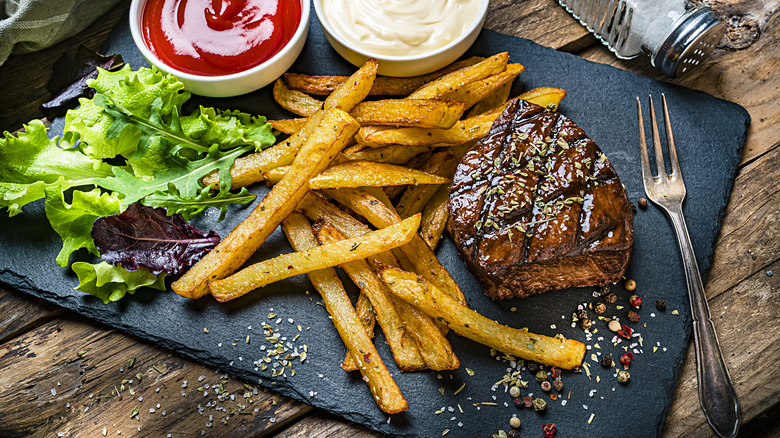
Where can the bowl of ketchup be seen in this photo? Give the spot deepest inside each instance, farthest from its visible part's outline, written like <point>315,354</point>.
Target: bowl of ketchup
<point>220,48</point>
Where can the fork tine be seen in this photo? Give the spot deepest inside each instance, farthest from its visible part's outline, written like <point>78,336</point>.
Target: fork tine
<point>647,174</point>
<point>659,153</point>
<point>670,140</point>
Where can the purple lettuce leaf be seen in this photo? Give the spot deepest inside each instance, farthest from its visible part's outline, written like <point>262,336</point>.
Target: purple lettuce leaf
<point>145,237</point>
<point>69,79</point>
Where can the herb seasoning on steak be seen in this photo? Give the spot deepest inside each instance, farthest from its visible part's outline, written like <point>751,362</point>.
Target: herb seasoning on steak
<point>536,206</point>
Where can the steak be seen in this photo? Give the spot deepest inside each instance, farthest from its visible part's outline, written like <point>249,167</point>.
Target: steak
<point>536,206</point>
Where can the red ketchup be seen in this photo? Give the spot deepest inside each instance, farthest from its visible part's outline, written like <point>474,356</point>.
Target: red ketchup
<point>218,37</point>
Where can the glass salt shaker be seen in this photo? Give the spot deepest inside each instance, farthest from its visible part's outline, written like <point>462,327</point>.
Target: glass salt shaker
<point>675,34</point>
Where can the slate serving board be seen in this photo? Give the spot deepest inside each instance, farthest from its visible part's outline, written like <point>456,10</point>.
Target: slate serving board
<point>709,133</point>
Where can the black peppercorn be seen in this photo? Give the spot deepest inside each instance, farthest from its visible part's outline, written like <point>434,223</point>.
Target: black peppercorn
<point>582,313</point>
<point>533,366</point>
<point>606,361</point>
<point>642,203</point>
<point>604,290</point>
<point>610,298</point>
<point>599,308</point>
<point>633,316</point>
<point>518,402</point>
<point>513,433</point>
<point>586,324</point>
<point>661,304</point>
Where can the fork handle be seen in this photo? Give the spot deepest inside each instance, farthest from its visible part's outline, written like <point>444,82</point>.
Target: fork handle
<point>716,392</point>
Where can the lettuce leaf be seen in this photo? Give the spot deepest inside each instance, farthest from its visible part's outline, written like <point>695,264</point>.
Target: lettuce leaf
<point>30,162</point>
<point>111,283</point>
<point>73,222</point>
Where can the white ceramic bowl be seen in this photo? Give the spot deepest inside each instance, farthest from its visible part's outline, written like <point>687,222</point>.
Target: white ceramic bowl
<point>232,84</point>
<point>403,66</point>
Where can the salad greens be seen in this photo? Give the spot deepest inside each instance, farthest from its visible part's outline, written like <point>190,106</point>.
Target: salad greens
<point>129,143</point>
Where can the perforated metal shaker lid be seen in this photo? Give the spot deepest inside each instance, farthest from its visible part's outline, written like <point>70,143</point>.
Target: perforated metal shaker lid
<point>689,43</point>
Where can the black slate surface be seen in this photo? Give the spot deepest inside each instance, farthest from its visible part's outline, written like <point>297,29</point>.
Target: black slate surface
<point>709,133</point>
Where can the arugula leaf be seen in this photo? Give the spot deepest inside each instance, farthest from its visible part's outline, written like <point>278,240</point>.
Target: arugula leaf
<point>30,162</point>
<point>183,174</point>
<point>189,207</point>
<point>73,222</point>
<point>111,283</point>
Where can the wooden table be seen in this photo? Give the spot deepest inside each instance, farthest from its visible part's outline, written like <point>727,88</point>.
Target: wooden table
<point>60,373</point>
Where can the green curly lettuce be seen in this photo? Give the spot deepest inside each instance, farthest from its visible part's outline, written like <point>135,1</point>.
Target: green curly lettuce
<point>158,158</point>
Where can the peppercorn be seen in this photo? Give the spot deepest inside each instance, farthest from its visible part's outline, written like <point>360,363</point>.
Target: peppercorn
<point>661,304</point>
<point>546,386</point>
<point>606,361</point>
<point>558,385</point>
<point>515,422</point>
<point>642,203</point>
<point>519,403</point>
<point>625,331</point>
<point>630,285</point>
<point>586,324</point>
<point>614,325</point>
<point>633,316</point>
<point>548,430</point>
<point>599,308</point>
<point>533,366</point>
<point>635,301</point>
<point>539,404</point>
<point>541,376</point>
<point>610,298</point>
<point>582,314</point>
<point>604,290</point>
<point>514,392</point>
<point>528,402</point>
<point>513,433</point>
<point>623,376</point>
<point>626,359</point>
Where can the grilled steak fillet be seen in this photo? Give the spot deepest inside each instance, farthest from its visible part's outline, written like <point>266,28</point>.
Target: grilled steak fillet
<point>536,206</point>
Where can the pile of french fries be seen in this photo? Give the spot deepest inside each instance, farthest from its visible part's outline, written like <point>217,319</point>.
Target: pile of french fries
<point>387,162</point>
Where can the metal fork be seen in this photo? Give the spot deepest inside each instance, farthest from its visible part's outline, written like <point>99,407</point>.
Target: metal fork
<point>667,190</point>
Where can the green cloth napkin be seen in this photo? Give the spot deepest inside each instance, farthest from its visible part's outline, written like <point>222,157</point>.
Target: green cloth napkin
<point>31,25</point>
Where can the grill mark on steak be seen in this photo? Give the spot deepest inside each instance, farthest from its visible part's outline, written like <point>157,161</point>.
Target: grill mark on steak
<point>535,205</point>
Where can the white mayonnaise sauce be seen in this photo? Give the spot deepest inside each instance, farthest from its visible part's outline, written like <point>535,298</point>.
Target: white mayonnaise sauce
<point>400,27</point>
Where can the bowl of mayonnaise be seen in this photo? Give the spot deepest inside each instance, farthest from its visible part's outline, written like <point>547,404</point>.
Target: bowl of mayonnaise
<point>407,37</point>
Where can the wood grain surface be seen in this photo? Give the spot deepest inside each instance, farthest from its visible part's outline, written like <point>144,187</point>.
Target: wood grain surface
<point>62,374</point>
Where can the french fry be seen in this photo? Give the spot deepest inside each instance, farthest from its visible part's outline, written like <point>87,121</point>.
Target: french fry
<point>417,251</point>
<point>496,98</point>
<point>414,198</point>
<point>381,384</point>
<point>476,91</point>
<point>273,176</point>
<point>424,113</point>
<point>353,91</point>
<point>250,169</point>
<point>236,248</point>
<point>387,154</point>
<point>382,86</point>
<point>402,345</point>
<point>325,256</point>
<point>371,174</point>
<point>464,131</point>
<point>288,126</point>
<point>295,101</point>
<point>548,97</point>
<point>436,88</point>
<point>435,216</point>
<point>365,313</point>
<point>562,353</point>
<point>434,347</point>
